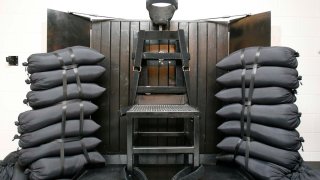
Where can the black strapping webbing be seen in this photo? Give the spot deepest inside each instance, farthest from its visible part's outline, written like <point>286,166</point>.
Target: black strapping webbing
<point>243,91</point>
<point>243,95</point>
<point>64,114</point>
<point>85,152</point>
<point>76,72</point>
<point>248,104</point>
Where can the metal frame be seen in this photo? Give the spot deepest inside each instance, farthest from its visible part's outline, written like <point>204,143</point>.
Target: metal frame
<point>162,111</point>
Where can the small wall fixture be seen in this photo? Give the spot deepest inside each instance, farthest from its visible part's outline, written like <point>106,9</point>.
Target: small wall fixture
<point>12,60</point>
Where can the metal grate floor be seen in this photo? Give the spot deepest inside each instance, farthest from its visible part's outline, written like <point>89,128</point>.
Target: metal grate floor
<point>162,108</point>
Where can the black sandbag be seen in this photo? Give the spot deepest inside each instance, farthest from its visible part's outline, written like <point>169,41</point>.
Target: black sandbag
<point>260,170</point>
<point>50,168</point>
<point>266,76</point>
<point>32,120</point>
<point>269,171</point>
<point>53,132</point>
<point>7,165</point>
<point>280,138</point>
<point>18,173</point>
<point>51,149</point>
<point>40,99</point>
<point>48,61</point>
<point>287,159</point>
<point>269,56</point>
<point>51,79</point>
<point>267,95</point>
<point>284,116</point>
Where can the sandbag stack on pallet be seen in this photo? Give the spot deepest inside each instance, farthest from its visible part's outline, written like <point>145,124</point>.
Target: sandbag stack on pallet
<point>56,135</point>
<point>260,113</point>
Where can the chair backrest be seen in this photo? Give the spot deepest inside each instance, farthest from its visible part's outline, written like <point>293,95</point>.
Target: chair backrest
<point>162,68</point>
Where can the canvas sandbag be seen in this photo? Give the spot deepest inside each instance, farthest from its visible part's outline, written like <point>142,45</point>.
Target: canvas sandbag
<point>51,79</point>
<point>50,168</point>
<point>51,149</point>
<point>284,116</point>
<point>287,159</point>
<point>280,138</point>
<point>269,56</point>
<point>40,99</point>
<point>7,165</point>
<point>18,173</point>
<point>266,76</point>
<point>48,61</point>
<point>267,95</point>
<point>53,132</point>
<point>32,120</point>
<point>262,170</point>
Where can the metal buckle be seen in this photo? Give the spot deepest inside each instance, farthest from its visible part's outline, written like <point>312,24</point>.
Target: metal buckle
<point>185,68</point>
<point>136,68</point>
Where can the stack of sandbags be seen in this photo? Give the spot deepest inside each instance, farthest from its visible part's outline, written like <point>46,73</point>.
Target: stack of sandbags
<point>56,135</point>
<point>260,114</point>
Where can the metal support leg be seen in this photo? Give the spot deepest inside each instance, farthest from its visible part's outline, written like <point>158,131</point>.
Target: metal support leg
<point>186,122</point>
<point>196,158</point>
<point>129,144</point>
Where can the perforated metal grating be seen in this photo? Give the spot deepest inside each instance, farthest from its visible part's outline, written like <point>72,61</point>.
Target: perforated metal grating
<point>162,108</point>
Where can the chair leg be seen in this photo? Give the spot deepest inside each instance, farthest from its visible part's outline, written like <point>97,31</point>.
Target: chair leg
<point>196,135</point>
<point>129,144</point>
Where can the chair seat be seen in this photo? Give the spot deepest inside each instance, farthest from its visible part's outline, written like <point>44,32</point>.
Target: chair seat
<point>162,111</point>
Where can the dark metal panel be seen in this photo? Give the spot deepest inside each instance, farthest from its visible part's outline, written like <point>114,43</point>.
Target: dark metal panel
<point>253,30</point>
<point>222,51</point>
<point>210,128</point>
<point>124,79</point>
<point>65,30</point>
<point>96,36</point>
<point>104,106</point>
<point>202,79</point>
<point>193,50</point>
<point>99,114</point>
<point>134,28</point>
<point>114,87</point>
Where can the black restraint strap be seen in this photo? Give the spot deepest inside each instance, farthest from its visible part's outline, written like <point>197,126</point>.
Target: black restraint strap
<point>243,93</point>
<point>64,114</point>
<point>248,104</point>
<point>76,72</point>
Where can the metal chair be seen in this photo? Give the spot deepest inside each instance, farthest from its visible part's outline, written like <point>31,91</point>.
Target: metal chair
<point>151,102</point>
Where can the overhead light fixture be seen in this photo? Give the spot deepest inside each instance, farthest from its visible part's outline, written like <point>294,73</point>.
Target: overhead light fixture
<point>161,11</point>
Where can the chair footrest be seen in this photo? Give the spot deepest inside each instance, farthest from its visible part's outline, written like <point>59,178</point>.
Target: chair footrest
<point>163,150</point>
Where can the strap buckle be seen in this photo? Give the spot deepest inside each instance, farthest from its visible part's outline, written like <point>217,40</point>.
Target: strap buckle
<point>138,69</point>
<point>185,68</point>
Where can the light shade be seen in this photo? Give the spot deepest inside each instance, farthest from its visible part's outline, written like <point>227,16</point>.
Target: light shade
<point>161,11</point>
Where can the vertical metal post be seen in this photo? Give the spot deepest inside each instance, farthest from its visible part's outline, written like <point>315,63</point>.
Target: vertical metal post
<point>186,122</point>
<point>129,144</point>
<point>196,158</point>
